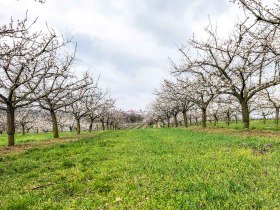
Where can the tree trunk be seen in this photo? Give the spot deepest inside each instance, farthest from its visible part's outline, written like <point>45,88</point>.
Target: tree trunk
<point>216,120</point>
<point>157,124</point>
<point>168,122</point>
<point>54,125</point>
<point>11,125</point>
<point>78,125</point>
<point>228,118</point>
<point>90,125</point>
<point>107,125</point>
<point>23,129</point>
<point>204,118</point>
<point>190,120</point>
<point>277,116</point>
<point>103,126</point>
<point>185,118</point>
<point>245,114</point>
<point>175,120</point>
<point>264,119</point>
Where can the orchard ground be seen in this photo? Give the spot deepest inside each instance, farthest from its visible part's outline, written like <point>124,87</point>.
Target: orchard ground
<point>168,168</point>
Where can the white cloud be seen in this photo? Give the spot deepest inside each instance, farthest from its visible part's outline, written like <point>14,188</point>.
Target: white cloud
<point>127,41</point>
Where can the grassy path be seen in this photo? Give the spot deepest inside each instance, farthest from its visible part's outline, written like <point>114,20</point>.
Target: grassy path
<point>145,169</point>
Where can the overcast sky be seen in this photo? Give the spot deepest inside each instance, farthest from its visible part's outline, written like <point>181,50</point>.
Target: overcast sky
<point>128,42</point>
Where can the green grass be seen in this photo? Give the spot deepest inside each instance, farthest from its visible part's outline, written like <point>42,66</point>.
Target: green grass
<point>144,169</point>
<point>19,138</point>
<point>254,125</point>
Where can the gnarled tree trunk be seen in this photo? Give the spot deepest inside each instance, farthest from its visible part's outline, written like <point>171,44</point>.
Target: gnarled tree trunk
<point>107,125</point>
<point>90,125</point>
<point>23,128</point>
<point>78,125</point>
<point>175,120</point>
<point>228,118</point>
<point>185,118</point>
<point>204,117</point>
<point>276,116</point>
<point>54,124</point>
<point>264,119</point>
<point>216,120</point>
<point>11,125</point>
<point>103,125</point>
<point>245,114</point>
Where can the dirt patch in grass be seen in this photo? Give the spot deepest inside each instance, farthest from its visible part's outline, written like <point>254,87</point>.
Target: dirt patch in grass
<point>234,132</point>
<point>25,146</point>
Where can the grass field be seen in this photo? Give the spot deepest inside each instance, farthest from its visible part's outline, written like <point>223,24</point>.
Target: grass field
<point>145,169</point>
<point>29,137</point>
<point>254,125</point>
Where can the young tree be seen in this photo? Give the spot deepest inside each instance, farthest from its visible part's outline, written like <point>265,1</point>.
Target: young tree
<point>215,111</point>
<point>105,112</point>
<point>156,112</point>
<point>58,91</point>
<point>117,119</point>
<point>42,121</point>
<point>25,119</point>
<point>201,94</point>
<point>96,105</point>
<point>80,108</point>
<point>179,94</point>
<point>227,107</point>
<point>2,122</point>
<point>173,96</point>
<point>162,110</point>
<point>272,100</point>
<point>240,66</point>
<point>23,66</point>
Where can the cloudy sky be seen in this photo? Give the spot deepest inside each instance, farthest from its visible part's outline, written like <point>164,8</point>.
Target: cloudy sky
<point>128,42</point>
